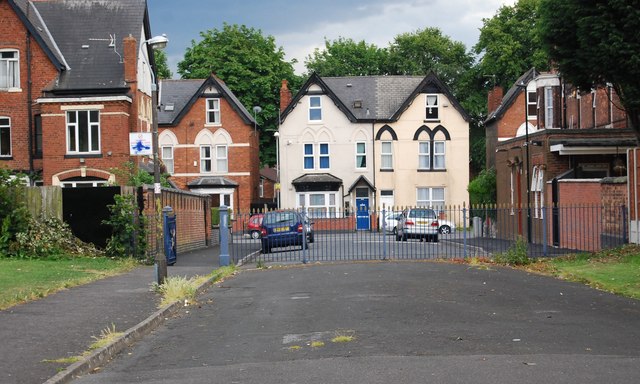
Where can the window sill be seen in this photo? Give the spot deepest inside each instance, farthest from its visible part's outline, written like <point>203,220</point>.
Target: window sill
<point>432,170</point>
<point>314,122</point>
<point>431,120</point>
<point>11,90</point>
<point>387,170</point>
<point>208,125</point>
<point>6,158</point>
<point>83,155</point>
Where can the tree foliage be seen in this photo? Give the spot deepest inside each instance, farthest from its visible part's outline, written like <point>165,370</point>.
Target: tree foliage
<point>251,66</point>
<point>509,43</point>
<point>345,57</point>
<point>161,64</point>
<point>14,216</point>
<point>596,42</point>
<point>426,50</point>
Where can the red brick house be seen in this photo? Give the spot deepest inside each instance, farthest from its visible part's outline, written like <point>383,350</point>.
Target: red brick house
<point>575,154</point>
<point>209,142</point>
<point>70,96</point>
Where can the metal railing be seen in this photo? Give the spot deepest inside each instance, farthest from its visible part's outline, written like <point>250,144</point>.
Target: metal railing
<point>463,232</point>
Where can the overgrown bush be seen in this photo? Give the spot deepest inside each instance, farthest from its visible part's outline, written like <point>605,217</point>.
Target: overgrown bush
<point>517,254</point>
<point>128,237</point>
<point>482,189</point>
<point>14,216</point>
<point>50,238</point>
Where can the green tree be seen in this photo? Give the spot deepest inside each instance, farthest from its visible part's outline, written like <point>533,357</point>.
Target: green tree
<point>596,42</point>
<point>161,64</point>
<point>509,43</point>
<point>14,216</point>
<point>251,66</point>
<point>345,57</point>
<point>426,50</point>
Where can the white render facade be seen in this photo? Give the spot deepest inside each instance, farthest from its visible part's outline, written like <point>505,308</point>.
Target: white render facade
<point>354,143</point>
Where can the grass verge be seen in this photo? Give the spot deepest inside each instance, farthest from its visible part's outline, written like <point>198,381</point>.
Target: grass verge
<point>614,270</point>
<point>23,280</point>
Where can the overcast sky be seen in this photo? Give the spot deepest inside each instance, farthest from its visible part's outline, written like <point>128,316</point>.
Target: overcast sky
<point>299,26</point>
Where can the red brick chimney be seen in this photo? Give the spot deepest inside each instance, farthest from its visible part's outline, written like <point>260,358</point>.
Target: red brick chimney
<point>285,95</point>
<point>494,98</point>
<point>131,79</point>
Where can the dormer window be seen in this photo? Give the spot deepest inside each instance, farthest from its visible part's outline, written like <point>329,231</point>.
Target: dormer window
<point>432,107</point>
<point>213,111</point>
<point>9,70</point>
<point>315,108</point>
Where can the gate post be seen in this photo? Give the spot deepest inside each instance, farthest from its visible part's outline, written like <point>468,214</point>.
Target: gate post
<point>224,236</point>
<point>464,232</point>
<point>384,233</point>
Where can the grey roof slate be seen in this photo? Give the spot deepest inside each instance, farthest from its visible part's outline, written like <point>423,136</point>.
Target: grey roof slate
<point>181,94</point>
<point>316,178</point>
<point>74,24</point>
<point>380,98</point>
<point>212,181</point>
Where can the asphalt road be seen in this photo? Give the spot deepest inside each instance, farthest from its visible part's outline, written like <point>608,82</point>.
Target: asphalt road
<point>411,322</point>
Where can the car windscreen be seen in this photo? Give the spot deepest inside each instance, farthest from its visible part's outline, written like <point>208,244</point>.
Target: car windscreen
<point>279,218</point>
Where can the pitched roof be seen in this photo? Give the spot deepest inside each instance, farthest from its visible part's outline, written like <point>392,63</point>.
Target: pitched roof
<point>84,38</point>
<point>512,94</point>
<point>375,98</point>
<point>178,96</point>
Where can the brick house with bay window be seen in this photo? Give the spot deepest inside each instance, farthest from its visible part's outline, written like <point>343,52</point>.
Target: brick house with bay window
<point>74,83</point>
<point>209,141</point>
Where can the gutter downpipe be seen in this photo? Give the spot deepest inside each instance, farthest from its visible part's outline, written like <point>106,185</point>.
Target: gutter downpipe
<point>29,101</point>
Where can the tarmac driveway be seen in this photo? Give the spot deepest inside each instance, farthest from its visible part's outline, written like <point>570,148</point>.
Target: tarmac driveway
<point>412,322</point>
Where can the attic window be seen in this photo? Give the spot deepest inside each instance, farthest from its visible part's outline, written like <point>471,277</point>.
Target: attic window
<point>169,107</point>
<point>357,104</point>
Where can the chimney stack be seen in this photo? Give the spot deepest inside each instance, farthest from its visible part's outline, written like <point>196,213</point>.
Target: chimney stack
<point>285,95</point>
<point>494,99</point>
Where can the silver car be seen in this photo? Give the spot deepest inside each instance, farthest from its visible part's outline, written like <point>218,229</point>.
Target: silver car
<point>418,223</point>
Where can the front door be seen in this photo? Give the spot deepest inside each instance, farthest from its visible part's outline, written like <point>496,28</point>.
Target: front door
<point>362,213</point>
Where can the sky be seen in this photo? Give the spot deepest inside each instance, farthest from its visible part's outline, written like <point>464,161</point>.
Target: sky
<point>300,26</point>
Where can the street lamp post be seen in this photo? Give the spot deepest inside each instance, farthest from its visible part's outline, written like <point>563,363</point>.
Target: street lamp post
<point>277,191</point>
<point>158,42</point>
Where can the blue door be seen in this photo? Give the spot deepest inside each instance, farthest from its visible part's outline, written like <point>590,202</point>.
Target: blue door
<point>362,213</point>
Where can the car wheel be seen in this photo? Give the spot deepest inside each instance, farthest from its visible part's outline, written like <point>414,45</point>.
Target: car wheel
<point>255,235</point>
<point>445,229</point>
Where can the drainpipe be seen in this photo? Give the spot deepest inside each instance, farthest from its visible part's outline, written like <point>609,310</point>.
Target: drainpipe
<point>373,164</point>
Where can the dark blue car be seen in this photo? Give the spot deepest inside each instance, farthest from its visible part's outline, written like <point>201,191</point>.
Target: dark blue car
<point>282,229</point>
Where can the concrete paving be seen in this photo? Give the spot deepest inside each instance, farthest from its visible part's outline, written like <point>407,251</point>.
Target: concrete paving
<point>411,322</point>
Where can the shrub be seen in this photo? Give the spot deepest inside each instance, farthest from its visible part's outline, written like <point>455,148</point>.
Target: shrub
<point>517,254</point>
<point>14,216</point>
<point>49,238</point>
<point>128,229</point>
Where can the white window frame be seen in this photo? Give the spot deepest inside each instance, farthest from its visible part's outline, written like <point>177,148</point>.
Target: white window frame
<point>323,156</point>
<point>222,159</point>
<point>328,209</point>
<point>386,155</point>
<point>5,127</point>
<point>261,188</point>
<point>537,188</point>
<point>213,109</point>
<point>168,160</point>
<point>422,155</point>
<point>439,155</point>
<point>10,66</point>
<point>313,107</point>
<point>531,103</point>
<point>429,200</point>
<point>206,160</point>
<point>361,156</point>
<point>73,143</point>
<point>512,194</point>
<point>548,107</point>
<point>306,156</point>
<point>429,107</point>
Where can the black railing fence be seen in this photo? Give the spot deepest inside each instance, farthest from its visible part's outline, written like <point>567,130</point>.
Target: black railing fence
<point>462,232</point>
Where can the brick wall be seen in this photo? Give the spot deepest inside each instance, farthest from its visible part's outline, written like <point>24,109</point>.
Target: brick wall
<point>241,159</point>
